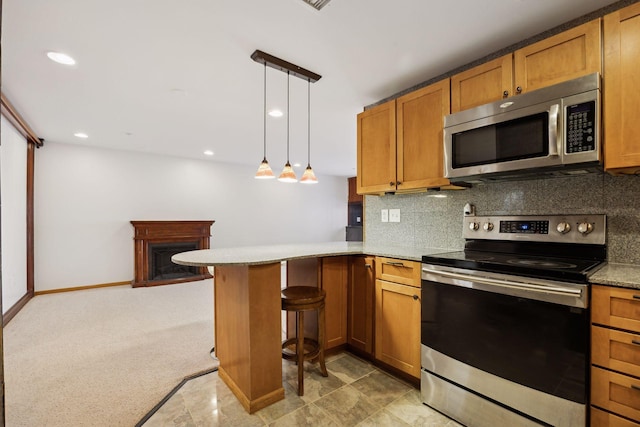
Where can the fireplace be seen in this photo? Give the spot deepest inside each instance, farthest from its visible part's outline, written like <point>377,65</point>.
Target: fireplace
<point>155,242</point>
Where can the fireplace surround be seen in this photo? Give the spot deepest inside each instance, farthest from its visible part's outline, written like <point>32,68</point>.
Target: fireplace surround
<point>156,241</point>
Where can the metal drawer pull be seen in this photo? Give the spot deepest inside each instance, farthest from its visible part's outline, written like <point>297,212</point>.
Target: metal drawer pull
<point>635,387</point>
<point>399,264</point>
<point>367,266</point>
<point>636,342</point>
<point>509,284</point>
<point>636,297</point>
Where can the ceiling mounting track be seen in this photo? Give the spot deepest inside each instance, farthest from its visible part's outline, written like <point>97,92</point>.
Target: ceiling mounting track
<point>284,66</point>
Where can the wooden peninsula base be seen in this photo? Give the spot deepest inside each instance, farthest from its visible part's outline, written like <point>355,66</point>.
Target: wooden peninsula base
<point>248,332</point>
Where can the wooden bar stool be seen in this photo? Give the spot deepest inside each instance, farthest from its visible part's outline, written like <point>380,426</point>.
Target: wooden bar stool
<point>300,299</point>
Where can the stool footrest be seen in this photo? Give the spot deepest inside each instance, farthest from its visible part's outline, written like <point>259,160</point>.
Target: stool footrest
<point>311,349</point>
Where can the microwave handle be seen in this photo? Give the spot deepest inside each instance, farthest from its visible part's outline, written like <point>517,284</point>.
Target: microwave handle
<point>553,129</point>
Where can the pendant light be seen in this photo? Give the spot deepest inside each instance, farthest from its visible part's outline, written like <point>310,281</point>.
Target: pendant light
<point>308,177</point>
<point>288,175</point>
<point>264,170</point>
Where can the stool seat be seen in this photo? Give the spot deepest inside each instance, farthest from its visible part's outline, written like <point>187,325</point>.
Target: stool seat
<point>301,295</point>
<point>300,299</point>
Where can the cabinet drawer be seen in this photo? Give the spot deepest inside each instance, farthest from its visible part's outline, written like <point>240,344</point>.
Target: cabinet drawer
<point>604,419</point>
<point>616,307</point>
<point>615,350</point>
<point>616,392</point>
<point>398,271</point>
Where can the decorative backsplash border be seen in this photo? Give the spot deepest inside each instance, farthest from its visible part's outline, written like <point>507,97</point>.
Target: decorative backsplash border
<point>428,220</point>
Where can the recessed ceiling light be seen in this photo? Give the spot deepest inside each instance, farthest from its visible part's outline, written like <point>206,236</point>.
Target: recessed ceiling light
<point>275,113</point>
<point>81,135</point>
<point>208,153</point>
<point>296,165</point>
<point>61,58</point>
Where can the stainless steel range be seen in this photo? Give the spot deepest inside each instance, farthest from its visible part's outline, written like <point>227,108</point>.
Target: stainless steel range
<point>505,323</point>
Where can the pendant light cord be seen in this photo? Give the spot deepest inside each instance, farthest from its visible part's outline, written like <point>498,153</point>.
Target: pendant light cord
<point>264,115</point>
<point>288,73</point>
<point>308,122</point>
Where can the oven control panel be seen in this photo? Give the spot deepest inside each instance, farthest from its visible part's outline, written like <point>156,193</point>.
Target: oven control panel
<point>586,229</point>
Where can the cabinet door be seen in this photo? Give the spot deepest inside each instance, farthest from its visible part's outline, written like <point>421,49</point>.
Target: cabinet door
<point>377,149</point>
<point>480,85</point>
<point>334,282</point>
<point>399,271</point>
<point>353,197</point>
<point>622,90</point>
<point>420,121</point>
<point>616,350</point>
<point>565,56</point>
<point>615,392</point>
<point>360,298</point>
<point>616,307</point>
<point>398,326</point>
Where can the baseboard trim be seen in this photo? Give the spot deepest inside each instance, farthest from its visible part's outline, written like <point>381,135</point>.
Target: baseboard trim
<point>10,314</point>
<point>82,288</point>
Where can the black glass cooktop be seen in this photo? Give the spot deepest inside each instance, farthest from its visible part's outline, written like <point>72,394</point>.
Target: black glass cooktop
<point>574,269</point>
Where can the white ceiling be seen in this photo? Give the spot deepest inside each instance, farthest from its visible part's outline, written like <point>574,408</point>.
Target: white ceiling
<point>175,76</point>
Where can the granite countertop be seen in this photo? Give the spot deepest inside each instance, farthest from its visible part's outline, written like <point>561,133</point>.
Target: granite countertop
<point>254,255</point>
<point>623,275</point>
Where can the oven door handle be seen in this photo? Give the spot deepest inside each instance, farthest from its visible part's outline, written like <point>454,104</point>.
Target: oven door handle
<point>546,289</point>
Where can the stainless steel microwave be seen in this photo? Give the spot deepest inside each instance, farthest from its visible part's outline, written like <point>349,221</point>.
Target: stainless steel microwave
<point>550,131</point>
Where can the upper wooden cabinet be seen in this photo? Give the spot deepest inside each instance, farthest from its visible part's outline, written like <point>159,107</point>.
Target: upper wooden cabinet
<point>565,56</point>
<point>400,142</point>
<point>562,57</point>
<point>354,197</point>
<point>377,149</point>
<point>621,90</point>
<point>480,85</point>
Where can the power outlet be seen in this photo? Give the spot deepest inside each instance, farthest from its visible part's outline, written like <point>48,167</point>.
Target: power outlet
<point>394,215</point>
<point>384,215</point>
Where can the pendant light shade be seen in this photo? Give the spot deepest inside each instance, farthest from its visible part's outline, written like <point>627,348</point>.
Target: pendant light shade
<point>309,177</point>
<point>288,175</point>
<point>264,170</point>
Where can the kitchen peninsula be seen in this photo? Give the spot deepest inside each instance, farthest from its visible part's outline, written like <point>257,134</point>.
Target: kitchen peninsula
<point>248,312</point>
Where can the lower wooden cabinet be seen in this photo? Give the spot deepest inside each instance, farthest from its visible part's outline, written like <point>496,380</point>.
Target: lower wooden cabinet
<point>615,392</point>
<point>615,356</point>
<point>397,326</point>
<point>334,272</point>
<point>360,299</point>
<point>604,419</point>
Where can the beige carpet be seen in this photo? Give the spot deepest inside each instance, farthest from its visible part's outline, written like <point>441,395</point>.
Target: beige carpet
<point>104,357</point>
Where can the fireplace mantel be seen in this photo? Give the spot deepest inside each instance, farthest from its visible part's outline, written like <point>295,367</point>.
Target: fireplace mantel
<point>149,233</point>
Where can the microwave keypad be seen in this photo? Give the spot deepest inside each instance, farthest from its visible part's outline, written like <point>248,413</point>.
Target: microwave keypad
<point>581,130</point>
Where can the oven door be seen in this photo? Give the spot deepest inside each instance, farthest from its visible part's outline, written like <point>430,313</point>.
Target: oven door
<point>522,343</point>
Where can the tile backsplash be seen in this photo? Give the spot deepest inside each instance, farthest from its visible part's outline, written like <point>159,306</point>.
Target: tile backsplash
<point>436,222</point>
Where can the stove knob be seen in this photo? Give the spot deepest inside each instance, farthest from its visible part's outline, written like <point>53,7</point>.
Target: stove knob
<point>473,226</point>
<point>585,228</point>
<point>563,227</point>
<point>487,226</point>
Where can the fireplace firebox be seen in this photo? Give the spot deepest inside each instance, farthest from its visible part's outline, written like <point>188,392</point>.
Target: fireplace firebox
<point>155,242</point>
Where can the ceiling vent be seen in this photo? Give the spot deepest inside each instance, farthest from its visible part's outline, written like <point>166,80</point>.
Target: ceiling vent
<point>317,4</point>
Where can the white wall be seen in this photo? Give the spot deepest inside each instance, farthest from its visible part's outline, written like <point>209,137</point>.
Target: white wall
<point>85,198</point>
<point>13,196</point>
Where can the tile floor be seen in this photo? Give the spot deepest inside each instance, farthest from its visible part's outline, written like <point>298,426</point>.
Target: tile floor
<point>355,394</point>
